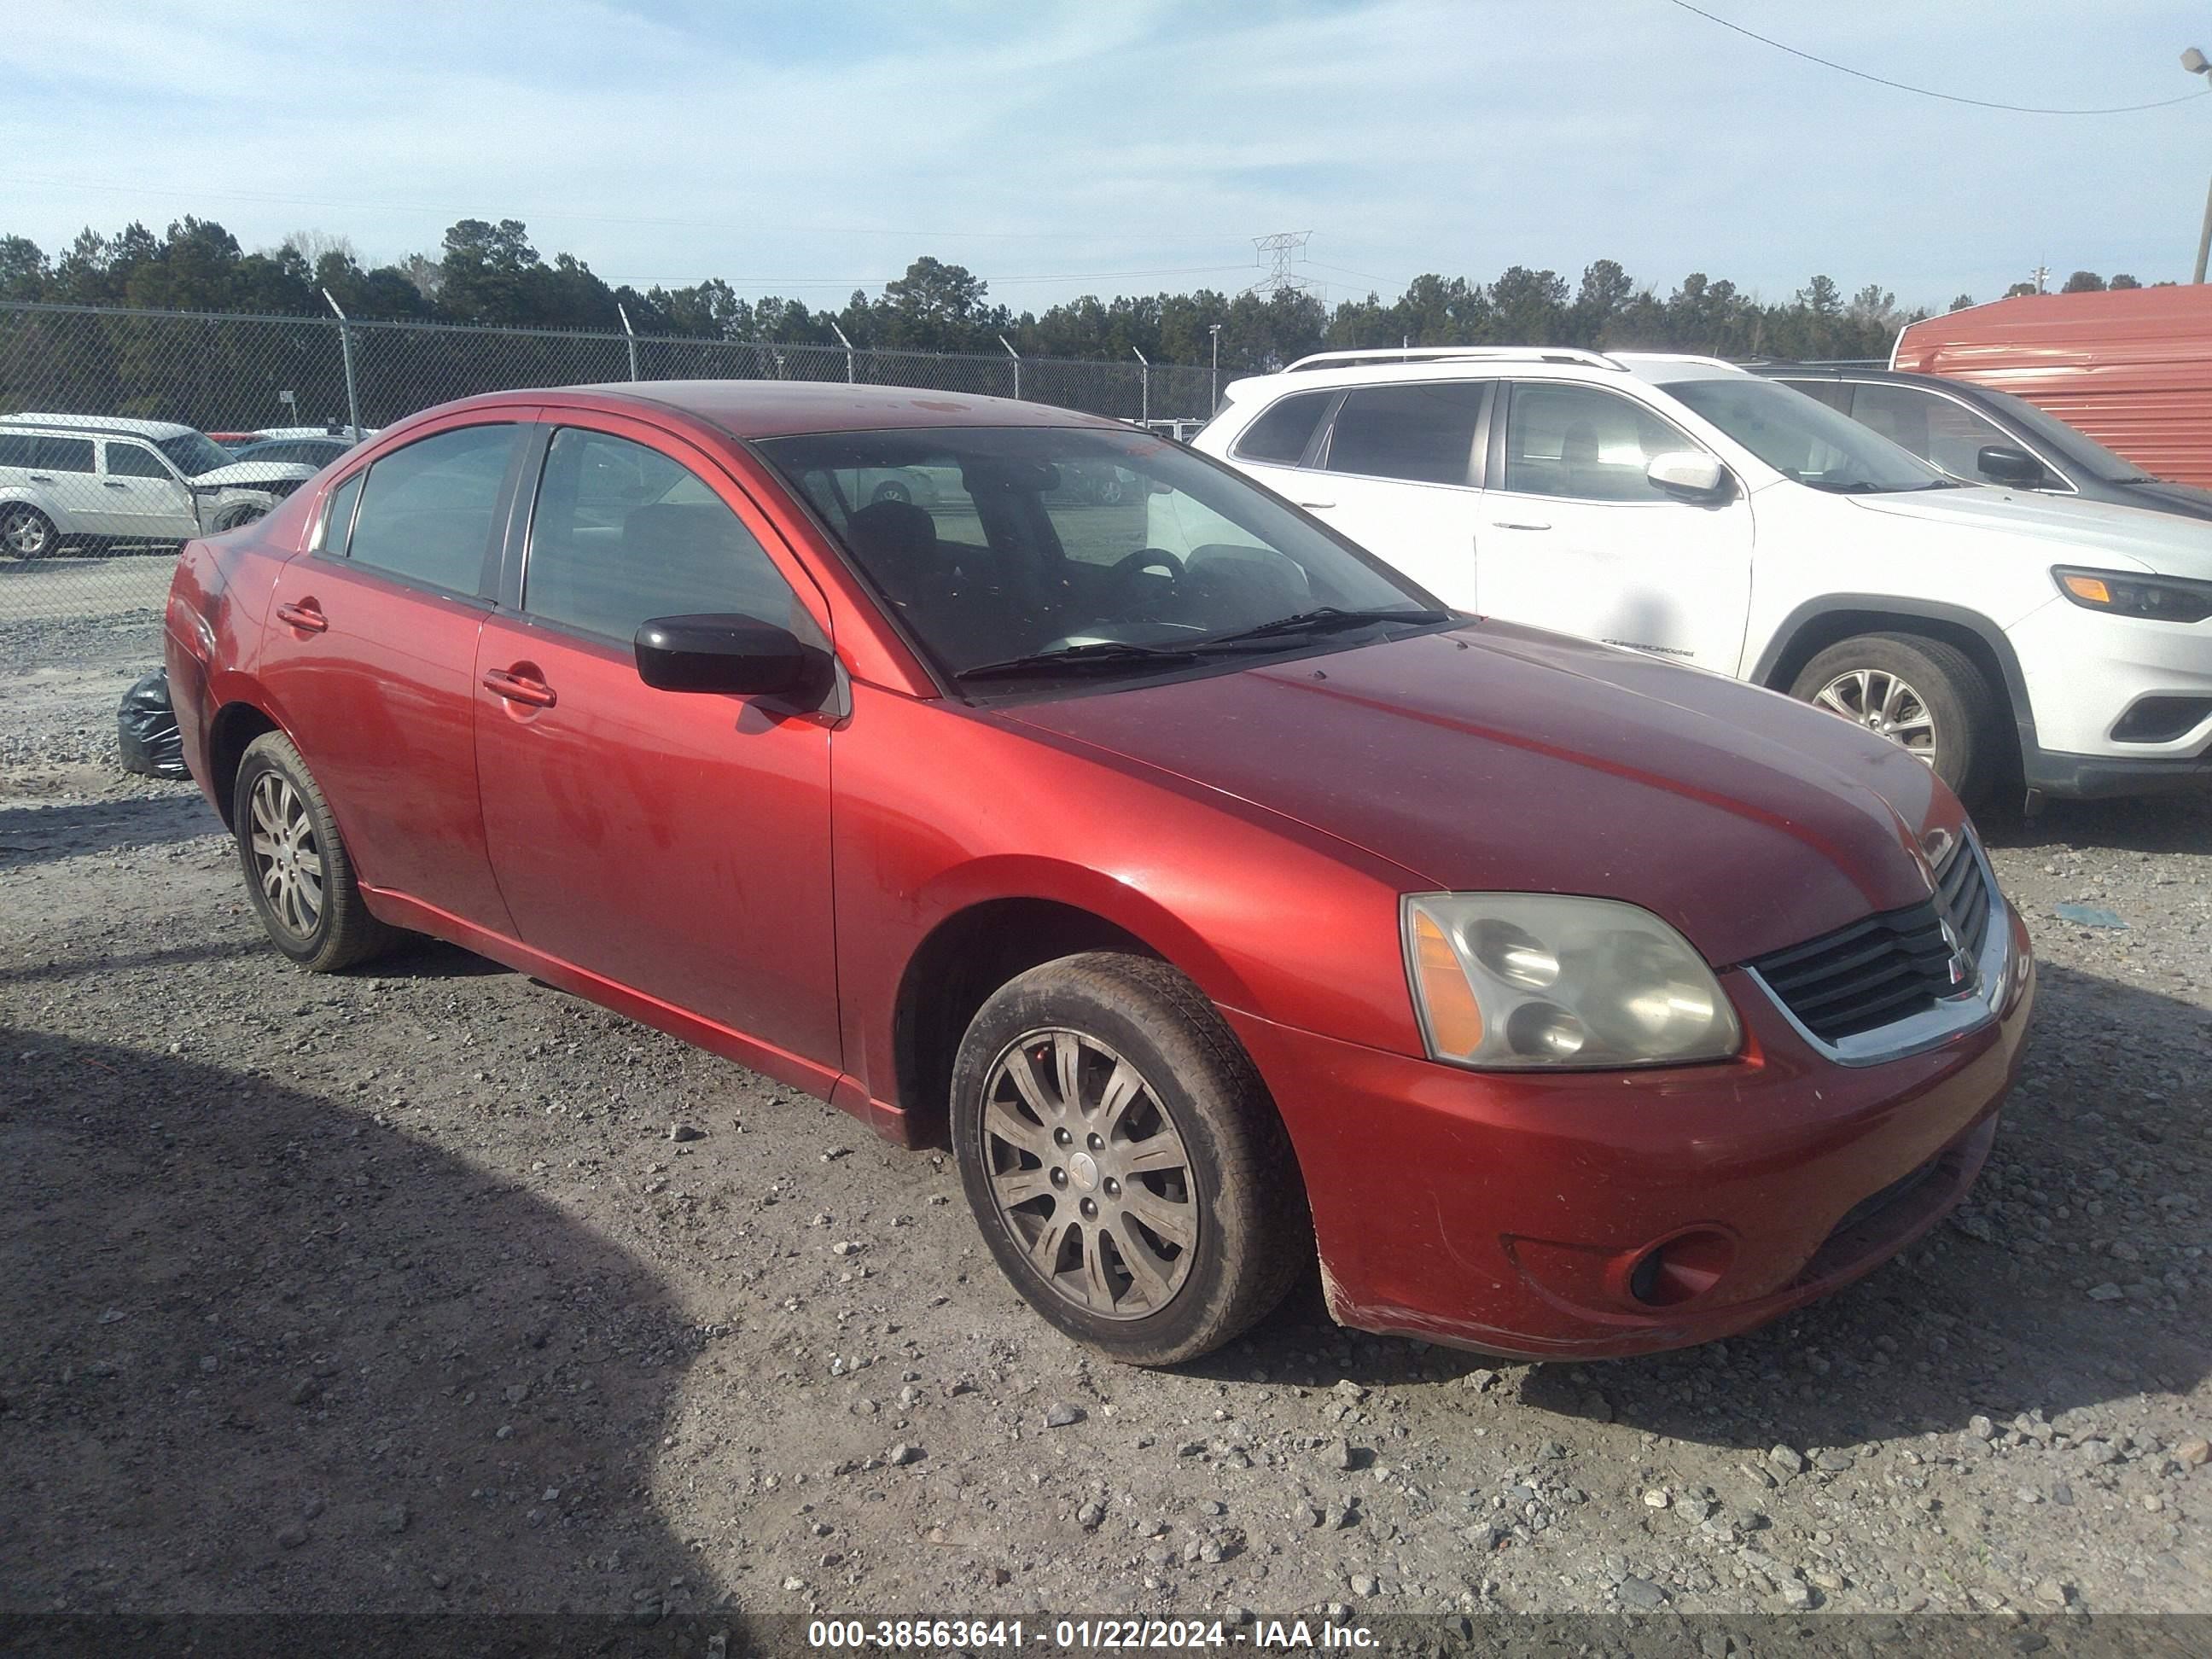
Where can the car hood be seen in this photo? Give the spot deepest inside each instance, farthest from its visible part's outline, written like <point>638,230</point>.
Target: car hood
<point>2159,495</point>
<point>1492,757</point>
<point>2074,532</point>
<point>247,475</point>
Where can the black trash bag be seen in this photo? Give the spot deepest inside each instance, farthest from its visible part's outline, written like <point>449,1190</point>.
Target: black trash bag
<point>146,729</point>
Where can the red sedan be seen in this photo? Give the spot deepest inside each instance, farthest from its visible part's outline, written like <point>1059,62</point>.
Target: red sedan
<point>1222,900</point>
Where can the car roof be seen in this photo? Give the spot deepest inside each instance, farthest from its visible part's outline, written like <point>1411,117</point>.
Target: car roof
<point>110,426</point>
<point>1788,371</point>
<point>1328,370</point>
<point>775,409</point>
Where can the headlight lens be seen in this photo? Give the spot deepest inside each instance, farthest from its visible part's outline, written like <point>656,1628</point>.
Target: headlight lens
<point>2163,598</point>
<point>1515,981</point>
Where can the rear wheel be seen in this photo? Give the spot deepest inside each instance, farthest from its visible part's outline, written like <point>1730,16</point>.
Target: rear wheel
<point>297,867</point>
<point>26,533</point>
<point>1923,695</point>
<point>1122,1157</point>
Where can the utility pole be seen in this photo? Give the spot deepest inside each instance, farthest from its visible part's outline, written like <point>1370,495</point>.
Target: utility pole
<point>1214,329</point>
<point>1143,389</point>
<point>1279,252</point>
<point>2197,63</point>
<point>2042,275</point>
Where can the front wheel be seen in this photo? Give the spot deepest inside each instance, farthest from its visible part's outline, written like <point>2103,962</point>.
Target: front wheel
<point>1923,695</point>
<point>1120,1152</point>
<point>244,513</point>
<point>297,868</point>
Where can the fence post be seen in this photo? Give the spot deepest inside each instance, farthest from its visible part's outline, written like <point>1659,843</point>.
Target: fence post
<point>1143,389</point>
<point>1017,356</point>
<point>629,338</point>
<point>845,342</point>
<point>345,349</point>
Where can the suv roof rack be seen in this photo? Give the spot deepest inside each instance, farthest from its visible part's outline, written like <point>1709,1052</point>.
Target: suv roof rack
<point>1450,354</point>
<point>1699,358</point>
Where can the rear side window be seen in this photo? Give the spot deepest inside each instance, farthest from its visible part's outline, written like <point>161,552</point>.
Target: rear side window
<point>1281,435</point>
<point>14,449</point>
<point>1583,443</point>
<point>1425,433</point>
<point>130,461</point>
<point>61,454</point>
<point>1836,394</point>
<point>426,511</point>
<point>623,534</point>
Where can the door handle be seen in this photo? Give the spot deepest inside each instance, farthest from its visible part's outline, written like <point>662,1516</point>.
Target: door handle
<point>306,615</point>
<point>519,688</point>
<point>1513,524</point>
<point>42,477</point>
<point>1313,506</point>
<point>112,483</point>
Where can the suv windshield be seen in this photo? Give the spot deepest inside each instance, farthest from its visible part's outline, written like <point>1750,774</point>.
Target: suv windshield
<point>1005,556</point>
<point>2070,442</point>
<point>193,453</point>
<point>1803,438</point>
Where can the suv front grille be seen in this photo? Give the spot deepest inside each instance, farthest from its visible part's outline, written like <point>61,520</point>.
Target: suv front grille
<point>1890,966</point>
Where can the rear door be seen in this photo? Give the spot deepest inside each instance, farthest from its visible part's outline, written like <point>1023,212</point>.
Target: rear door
<point>1578,539</point>
<point>677,844</point>
<point>143,496</point>
<point>63,471</point>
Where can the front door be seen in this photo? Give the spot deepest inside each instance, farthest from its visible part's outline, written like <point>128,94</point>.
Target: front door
<point>675,842</point>
<point>1575,538</point>
<point>142,497</point>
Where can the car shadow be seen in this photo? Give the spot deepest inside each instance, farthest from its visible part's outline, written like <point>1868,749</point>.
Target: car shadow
<point>48,834</point>
<point>265,1353</point>
<point>1983,1316</point>
<point>2150,824</point>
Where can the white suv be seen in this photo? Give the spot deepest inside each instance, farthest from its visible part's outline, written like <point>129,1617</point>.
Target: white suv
<point>107,480</point>
<point>1683,507</point>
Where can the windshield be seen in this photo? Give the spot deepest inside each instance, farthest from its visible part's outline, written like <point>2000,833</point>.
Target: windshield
<point>1803,438</point>
<point>2071,442</point>
<point>193,453</point>
<point>1104,552</point>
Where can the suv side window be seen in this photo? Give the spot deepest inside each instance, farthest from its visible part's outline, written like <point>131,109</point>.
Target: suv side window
<point>1424,432</point>
<point>1933,427</point>
<point>1584,443</point>
<point>61,454</point>
<point>623,534</point>
<point>1281,434</point>
<point>426,511</point>
<point>135,461</point>
<point>1836,394</point>
<point>14,449</point>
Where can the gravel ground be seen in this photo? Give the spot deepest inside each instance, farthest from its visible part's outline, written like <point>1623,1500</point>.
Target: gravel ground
<point>431,1288</point>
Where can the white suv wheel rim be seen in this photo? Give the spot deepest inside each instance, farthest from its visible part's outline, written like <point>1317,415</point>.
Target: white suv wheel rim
<point>1883,702</point>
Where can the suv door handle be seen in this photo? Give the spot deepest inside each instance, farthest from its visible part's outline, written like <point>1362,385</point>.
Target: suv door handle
<point>1512,524</point>
<point>1316,506</point>
<point>306,615</point>
<point>519,688</point>
<point>112,483</point>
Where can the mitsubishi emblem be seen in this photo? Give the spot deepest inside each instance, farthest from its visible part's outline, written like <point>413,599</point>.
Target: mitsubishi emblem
<point>1959,967</point>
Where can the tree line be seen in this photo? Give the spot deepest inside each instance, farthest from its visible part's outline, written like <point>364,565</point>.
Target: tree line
<point>490,273</point>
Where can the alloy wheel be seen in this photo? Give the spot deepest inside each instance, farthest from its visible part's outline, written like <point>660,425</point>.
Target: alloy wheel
<point>25,532</point>
<point>1884,703</point>
<point>1090,1174</point>
<point>287,861</point>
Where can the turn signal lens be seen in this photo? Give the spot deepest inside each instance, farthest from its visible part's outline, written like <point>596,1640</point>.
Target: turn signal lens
<point>1454,1016</point>
<point>2090,588</point>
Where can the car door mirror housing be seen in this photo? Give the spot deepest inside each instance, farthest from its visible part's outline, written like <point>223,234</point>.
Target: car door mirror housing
<point>731,653</point>
<point>2003,464</point>
<point>1686,473</point>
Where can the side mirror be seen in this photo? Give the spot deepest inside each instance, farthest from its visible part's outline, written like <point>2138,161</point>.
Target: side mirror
<point>737,654</point>
<point>1688,474</point>
<point>2002,464</point>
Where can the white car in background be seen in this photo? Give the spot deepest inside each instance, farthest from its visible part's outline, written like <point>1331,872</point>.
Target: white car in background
<point>106,479</point>
<point>1682,507</point>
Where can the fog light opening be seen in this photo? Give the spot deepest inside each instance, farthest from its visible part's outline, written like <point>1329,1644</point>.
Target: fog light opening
<point>1681,1270</point>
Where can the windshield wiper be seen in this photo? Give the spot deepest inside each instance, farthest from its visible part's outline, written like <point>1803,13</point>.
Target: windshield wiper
<point>1073,659</point>
<point>1325,619</point>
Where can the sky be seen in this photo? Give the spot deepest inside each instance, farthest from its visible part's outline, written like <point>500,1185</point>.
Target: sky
<point>1064,146</point>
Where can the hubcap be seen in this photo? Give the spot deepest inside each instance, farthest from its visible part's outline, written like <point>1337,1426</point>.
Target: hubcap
<point>286,859</point>
<point>24,532</point>
<point>1880,701</point>
<point>1090,1174</point>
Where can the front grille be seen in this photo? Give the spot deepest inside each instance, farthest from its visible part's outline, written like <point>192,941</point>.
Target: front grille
<point>1890,966</point>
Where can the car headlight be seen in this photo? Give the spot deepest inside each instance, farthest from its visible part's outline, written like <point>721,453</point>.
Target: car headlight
<point>2163,598</point>
<point>1517,981</point>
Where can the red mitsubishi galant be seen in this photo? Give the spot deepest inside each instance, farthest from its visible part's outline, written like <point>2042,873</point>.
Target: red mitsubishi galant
<point>1019,780</point>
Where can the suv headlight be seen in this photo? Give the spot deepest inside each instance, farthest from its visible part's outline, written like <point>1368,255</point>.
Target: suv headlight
<point>2119,593</point>
<point>1517,981</point>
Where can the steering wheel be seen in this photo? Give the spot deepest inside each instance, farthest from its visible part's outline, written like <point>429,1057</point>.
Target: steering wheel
<point>1121,587</point>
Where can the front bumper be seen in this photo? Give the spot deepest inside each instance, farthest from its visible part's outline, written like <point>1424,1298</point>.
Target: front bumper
<point>1519,1214</point>
<point>2084,671</point>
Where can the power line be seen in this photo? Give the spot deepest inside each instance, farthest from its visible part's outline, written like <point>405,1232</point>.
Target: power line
<point>1926,91</point>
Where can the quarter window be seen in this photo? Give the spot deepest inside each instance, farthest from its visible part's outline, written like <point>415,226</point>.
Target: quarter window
<point>61,454</point>
<point>623,534</point>
<point>1281,434</point>
<point>426,511</point>
<point>14,449</point>
<point>338,517</point>
<point>1422,432</point>
<point>1583,443</point>
<point>130,461</point>
<point>1934,428</point>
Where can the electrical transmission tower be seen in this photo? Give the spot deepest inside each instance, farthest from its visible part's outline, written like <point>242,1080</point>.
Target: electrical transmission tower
<point>1280,253</point>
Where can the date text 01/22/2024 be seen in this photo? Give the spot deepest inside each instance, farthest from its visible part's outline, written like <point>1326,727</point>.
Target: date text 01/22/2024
<point>1277,1635</point>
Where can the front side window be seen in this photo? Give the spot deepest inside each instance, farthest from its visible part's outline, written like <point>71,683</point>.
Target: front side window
<point>61,454</point>
<point>1424,432</point>
<point>1281,434</point>
<point>131,461</point>
<point>623,534</point>
<point>1583,443</point>
<point>1803,439</point>
<point>1934,428</point>
<point>1003,564</point>
<point>426,511</point>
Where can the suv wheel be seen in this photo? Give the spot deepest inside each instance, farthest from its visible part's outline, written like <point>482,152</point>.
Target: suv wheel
<point>25,532</point>
<point>244,513</point>
<point>1923,694</point>
<point>1122,1157</point>
<point>297,868</point>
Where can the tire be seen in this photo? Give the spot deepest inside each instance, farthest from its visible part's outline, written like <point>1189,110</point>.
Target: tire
<point>891,491</point>
<point>299,877</point>
<point>1934,697</point>
<point>26,533</point>
<point>1190,1250</point>
<point>1109,493</point>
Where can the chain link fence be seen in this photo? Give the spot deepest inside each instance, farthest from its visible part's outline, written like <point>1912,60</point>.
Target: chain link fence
<point>123,433</point>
